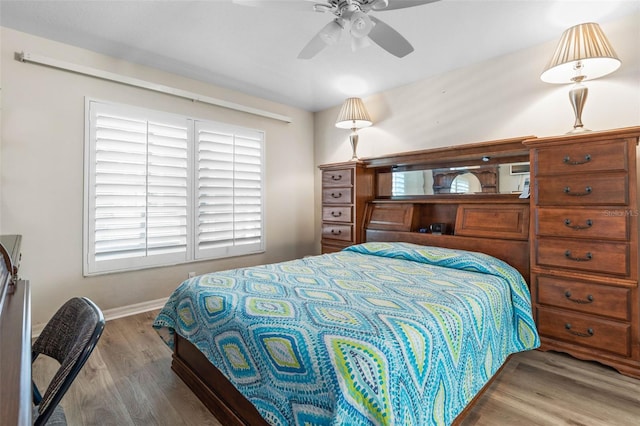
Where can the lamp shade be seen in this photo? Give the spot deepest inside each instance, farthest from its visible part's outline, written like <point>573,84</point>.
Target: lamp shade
<point>353,115</point>
<point>584,52</point>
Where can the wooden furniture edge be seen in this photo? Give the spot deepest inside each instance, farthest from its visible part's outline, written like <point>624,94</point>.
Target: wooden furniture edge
<point>621,133</point>
<point>625,367</point>
<point>512,147</point>
<point>15,336</point>
<point>15,356</point>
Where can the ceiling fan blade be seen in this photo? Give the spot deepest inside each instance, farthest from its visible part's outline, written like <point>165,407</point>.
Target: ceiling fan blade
<point>389,39</point>
<point>400,4</point>
<point>315,46</point>
<point>294,5</point>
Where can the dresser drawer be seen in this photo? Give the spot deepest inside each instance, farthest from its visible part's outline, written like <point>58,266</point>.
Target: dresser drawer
<point>582,223</point>
<point>341,177</point>
<point>584,297</point>
<point>582,190</point>
<point>574,158</point>
<point>610,336</point>
<point>337,196</point>
<point>332,246</point>
<point>337,232</point>
<point>337,214</point>
<point>600,257</point>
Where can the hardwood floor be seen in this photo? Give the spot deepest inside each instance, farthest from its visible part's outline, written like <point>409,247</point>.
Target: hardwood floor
<point>128,381</point>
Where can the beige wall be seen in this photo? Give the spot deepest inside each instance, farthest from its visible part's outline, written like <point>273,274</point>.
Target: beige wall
<point>496,99</point>
<point>42,172</point>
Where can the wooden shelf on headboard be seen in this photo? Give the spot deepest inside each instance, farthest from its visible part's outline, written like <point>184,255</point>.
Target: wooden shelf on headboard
<point>500,229</point>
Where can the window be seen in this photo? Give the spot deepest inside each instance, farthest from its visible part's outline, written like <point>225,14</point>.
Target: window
<point>162,189</point>
<point>398,184</point>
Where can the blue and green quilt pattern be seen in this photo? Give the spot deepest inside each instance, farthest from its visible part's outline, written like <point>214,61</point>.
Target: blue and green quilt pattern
<point>378,334</point>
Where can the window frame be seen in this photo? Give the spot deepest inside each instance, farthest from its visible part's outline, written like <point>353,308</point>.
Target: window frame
<point>92,267</point>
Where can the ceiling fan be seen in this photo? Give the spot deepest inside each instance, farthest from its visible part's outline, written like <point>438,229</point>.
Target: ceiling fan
<point>352,16</point>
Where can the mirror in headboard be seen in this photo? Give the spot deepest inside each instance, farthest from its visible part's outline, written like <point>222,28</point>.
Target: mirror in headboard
<point>497,167</point>
<point>507,178</point>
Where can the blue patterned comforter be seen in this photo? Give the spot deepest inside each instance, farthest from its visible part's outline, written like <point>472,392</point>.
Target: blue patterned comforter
<point>380,333</point>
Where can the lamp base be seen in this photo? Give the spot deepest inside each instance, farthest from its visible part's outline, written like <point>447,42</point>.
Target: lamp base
<point>353,138</point>
<point>578,97</point>
<point>578,130</point>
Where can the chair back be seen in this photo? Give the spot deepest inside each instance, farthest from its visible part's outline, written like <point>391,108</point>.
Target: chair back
<point>69,337</point>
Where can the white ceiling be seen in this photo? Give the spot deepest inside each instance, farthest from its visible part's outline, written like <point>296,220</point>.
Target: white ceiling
<point>254,50</point>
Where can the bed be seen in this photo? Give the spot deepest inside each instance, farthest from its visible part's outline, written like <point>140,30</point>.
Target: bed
<point>381,333</point>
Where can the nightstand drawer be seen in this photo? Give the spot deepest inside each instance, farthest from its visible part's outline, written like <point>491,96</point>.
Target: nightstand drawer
<point>336,232</point>
<point>337,196</point>
<point>610,336</point>
<point>337,214</point>
<point>574,158</point>
<point>333,246</point>
<point>584,297</point>
<point>583,190</point>
<point>341,177</point>
<point>599,257</point>
<point>596,224</point>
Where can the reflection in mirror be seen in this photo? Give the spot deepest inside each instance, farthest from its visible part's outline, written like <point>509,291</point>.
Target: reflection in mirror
<point>466,183</point>
<point>503,179</point>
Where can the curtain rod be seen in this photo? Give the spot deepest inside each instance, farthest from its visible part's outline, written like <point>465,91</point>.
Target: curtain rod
<point>130,81</point>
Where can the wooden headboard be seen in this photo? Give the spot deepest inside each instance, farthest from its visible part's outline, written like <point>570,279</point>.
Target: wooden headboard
<point>500,229</point>
<point>495,224</point>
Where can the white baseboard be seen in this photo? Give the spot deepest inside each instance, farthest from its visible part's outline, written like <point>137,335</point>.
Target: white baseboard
<point>114,313</point>
<point>138,308</point>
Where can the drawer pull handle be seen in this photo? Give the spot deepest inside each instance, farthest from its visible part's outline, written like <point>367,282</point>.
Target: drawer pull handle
<point>588,224</point>
<point>589,332</point>
<point>336,177</point>
<point>336,214</point>
<point>334,232</point>
<point>589,298</point>
<point>587,191</point>
<point>587,258</point>
<point>338,195</point>
<point>567,160</point>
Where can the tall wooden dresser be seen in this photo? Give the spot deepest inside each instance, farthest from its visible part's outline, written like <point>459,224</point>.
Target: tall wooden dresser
<point>346,188</point>
<point>584,246</point>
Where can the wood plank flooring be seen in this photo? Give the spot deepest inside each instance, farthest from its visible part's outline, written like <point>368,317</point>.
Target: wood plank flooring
<point>128,381</point>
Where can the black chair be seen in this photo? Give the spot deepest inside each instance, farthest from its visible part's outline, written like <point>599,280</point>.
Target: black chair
<point>69,337</point>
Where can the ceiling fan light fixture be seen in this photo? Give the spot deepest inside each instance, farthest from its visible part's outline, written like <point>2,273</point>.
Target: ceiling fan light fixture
<point>361,24</point>
<point>379,4</point>
<point>331,32</point>
<point>322,8</point>
<point>360,43</point>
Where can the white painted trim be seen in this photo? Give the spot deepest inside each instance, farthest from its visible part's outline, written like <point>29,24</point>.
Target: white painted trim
<point>135,82</point>
<point>138,308</point>
<point>115,313</point>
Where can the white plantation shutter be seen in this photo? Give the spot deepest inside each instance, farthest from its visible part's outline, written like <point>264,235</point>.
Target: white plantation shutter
<point>162,189</point>
<point>138,189</point>
<point>229,176</point>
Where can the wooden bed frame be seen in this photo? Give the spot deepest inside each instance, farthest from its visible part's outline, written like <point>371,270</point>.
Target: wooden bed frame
<point>495,224</point>
<point>231,408</point>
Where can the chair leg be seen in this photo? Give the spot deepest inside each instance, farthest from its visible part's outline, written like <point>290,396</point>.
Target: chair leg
<point>37,398</point>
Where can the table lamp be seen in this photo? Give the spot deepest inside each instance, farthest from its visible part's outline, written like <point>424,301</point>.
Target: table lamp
<point>353,115</point>
<point>583,53</point>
